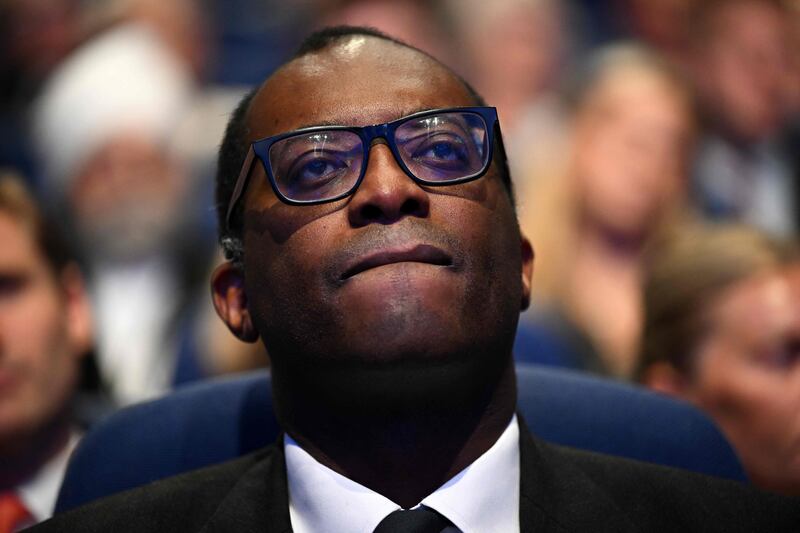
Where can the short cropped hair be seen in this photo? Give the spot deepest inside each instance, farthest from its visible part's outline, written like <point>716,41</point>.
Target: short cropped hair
<point>234,147</point>
<point>17,202</point>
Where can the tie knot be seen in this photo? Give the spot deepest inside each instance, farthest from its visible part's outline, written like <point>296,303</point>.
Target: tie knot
<point>422,520</point>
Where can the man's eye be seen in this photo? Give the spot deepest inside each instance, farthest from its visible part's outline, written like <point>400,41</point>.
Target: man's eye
<point>317,170</point>
<point>10,286</point>
<point>784,356</point>
<point>442,152</point>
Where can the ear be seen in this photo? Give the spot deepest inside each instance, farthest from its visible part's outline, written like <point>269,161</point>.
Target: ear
<point>664,378</point>
<point>77,310</point>
<point>528,255</point>
<point>230,301</point>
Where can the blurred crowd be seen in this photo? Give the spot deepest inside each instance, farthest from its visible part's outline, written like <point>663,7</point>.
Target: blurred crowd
<point>654,147</point>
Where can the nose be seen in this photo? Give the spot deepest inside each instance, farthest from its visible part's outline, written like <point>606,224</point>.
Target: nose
<point>386,194</point>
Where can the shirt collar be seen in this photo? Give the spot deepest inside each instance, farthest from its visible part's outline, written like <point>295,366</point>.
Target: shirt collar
<point>482,497</point>
<point>39,493</point>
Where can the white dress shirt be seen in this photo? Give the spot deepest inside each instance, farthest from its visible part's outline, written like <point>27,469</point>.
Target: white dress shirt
<point>482,498</point>
<point>39,493</point>
<point>133,305</point>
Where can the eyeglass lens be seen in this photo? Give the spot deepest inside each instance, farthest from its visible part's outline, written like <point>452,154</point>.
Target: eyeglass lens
<point>328,163</point>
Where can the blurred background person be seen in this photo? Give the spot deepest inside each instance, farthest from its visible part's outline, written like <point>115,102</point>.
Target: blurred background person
<point>623,175</point>
<point>104,127</point>
<point>792,80</point>
<point>515,53</point>
<point>722,330</point>
<point>792,90</point>
<point>741,57</point>
<point>45,334</point>
<point>35,36</point>
<point>421,23</point>
<point>181,25</point>
<point>663,25</point>
<point>184,54</point>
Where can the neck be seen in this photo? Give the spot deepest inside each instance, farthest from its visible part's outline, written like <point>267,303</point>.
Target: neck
<point>22,457</point>
<point>401,432</point>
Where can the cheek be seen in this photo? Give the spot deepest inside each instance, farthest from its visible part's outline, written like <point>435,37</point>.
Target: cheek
<point>494,248</point>
<point>284,265</point>
<point>27,323</point>
<point>38,366</point>
<point>284,280</point>
<point>738,393</point>
<point>757,409</point>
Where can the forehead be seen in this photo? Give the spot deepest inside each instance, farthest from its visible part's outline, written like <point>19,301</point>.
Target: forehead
<point>746,18</point>
<point>760,305</point>
<point>19,247</point>
<point>356,81</point>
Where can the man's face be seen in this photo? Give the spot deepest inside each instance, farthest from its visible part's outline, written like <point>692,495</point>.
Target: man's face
<point>439,269</point>
<point>43,331</point>
<point>128,200</point>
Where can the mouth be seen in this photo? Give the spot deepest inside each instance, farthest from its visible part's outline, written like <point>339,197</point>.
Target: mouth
<point>419,253</point>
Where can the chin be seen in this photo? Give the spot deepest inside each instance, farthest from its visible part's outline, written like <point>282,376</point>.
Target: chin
<point>394,379</point>
<point>411,346</point>
<point>407,331</point>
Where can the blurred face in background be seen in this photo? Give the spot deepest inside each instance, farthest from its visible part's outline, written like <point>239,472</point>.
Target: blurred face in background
<point>742,69</point>
<point>128,198</point>
<point>792,75</point>
<point>38,33</point>
<point>660,23</point>
<point>411,21</point>
<point>514,50</point>
<point>747,375</point>
<point>181,24</point>
<point>631,142</point>
<point>44,330</point>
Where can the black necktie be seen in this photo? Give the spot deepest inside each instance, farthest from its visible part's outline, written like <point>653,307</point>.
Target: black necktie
<point>422,520</point>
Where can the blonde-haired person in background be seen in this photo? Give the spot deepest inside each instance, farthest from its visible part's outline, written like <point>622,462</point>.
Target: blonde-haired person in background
<point>517,52</point>
<point>622,173</point>
<point>722,330</point>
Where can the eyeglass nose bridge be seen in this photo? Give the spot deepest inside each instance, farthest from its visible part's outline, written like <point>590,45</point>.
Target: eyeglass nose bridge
<point>374,133</point>
<point>380,134</point>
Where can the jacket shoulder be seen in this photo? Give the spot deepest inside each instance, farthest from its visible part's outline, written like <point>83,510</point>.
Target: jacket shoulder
<point>659,498</point>
<point>185,502</point>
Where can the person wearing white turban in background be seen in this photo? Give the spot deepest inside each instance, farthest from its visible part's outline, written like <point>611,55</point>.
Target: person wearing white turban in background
<point>104,128</point>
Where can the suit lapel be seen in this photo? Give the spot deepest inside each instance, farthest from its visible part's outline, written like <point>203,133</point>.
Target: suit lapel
<point>556,496</point>
<point>259,501</point>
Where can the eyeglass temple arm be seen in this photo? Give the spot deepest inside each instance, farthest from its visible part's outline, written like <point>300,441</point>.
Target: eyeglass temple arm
<point>241,183</point>
<point>501,148</point>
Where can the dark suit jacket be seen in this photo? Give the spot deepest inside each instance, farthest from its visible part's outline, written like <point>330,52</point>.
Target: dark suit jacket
<point>561,490</point>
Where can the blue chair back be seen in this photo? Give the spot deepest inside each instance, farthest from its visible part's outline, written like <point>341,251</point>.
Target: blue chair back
<point>221,419</point>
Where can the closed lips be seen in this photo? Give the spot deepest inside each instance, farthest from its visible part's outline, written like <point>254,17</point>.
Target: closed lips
<point>420,253</point>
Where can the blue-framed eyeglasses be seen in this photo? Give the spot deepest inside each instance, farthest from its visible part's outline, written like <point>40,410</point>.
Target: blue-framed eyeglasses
<point>326,163</point>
